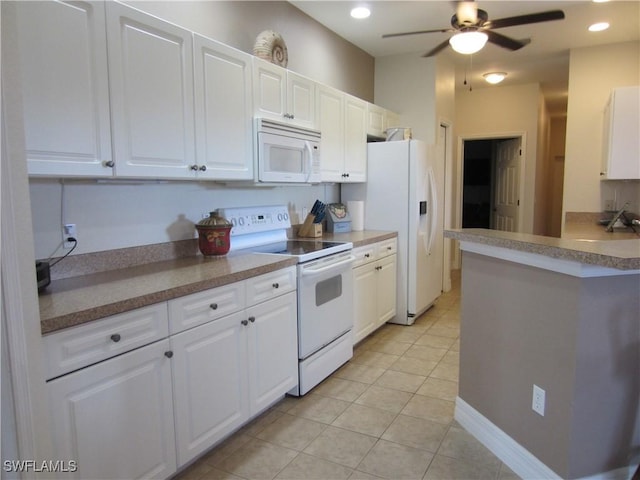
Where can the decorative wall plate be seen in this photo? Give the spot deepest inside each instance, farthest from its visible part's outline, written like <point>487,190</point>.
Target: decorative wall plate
<point>270,46</point>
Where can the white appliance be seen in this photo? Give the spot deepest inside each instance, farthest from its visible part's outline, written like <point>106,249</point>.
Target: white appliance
<point>325,287</point>
<point>402,194</point>
<point>287,153</point>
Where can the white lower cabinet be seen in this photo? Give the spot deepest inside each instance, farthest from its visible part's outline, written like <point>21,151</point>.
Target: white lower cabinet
<point>210,383</point>
<point>230,369</point>
<point>374,285</point>
<point>143,413</point>
<point>115,418</point>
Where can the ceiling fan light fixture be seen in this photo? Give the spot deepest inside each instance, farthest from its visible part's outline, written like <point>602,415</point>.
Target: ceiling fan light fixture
<point>494,77</point>
<point>360,12</point>
<point>468,42</point>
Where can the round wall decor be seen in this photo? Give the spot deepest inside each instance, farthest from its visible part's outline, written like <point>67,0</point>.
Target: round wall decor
<point>270,46</point>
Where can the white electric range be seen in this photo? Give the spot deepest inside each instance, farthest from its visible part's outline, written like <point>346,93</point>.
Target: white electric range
<point>324,281</point>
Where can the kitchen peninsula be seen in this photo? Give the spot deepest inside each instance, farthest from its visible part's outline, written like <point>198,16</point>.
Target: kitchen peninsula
<point>562,315</point>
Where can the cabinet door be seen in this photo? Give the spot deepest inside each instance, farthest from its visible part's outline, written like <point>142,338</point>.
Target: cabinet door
<point>270,90</point>
<point>65,96</point>
<point>151,84</point>
<point>386,295</point>
<point>622,123</point>
<point>364,301</point>
<point>273,350</point>
<point>301,100</point>
<point>331,123</point>
<point>210,383</point>
<point>115,418</point>
<point>355,141</point>
<point>376,120</point>
<point>224,129</point>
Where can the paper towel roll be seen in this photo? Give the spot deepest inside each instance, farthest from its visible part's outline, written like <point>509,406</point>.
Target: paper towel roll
<point>356,210</point>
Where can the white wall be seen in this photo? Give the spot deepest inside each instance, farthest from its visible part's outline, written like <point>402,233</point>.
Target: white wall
<point>593,73</point>
<point>113,215</point>
<point>495,112</point>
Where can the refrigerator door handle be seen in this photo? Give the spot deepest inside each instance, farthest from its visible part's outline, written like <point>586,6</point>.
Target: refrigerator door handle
<point>434,209</point>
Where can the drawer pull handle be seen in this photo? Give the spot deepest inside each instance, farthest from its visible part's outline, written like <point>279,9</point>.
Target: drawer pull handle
<point>276,285</point>
<point>213,306</point>
<point>252,319</point>
<point>244,322</point>
<point>168,354</point>
<point>116,337</point>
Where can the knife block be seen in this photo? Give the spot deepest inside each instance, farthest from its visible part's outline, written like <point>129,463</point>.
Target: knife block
<point>309,229</point>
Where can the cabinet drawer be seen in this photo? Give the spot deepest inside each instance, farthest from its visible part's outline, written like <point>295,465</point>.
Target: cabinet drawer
<point>77,347</point>
<point>364,254</point>
<point>202,307</point>
<point>270,285</point>
<point>387,247</point>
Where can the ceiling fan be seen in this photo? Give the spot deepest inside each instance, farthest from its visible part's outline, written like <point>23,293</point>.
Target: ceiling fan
<point>473,29</point>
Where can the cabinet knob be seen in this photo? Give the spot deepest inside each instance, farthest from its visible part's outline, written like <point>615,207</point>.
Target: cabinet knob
<point>244,323</point>
<point>252,319</point>
<point>275,285</point>
<point>366,255</point>
<point>193,167</point>
<point>115,337</point>
<point>203,168</point>
<point>213,306</point>
<point>389,248</point>
<point>109,164</point>
<point>168,354</point>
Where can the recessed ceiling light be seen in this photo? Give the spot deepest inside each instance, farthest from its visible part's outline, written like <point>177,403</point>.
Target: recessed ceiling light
<point>600,1</point>
<point>494,77</point>
<point>598,27</point>
<point>360,12</point>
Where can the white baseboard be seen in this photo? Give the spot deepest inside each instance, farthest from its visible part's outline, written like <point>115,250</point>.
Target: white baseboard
<point>516,457</point>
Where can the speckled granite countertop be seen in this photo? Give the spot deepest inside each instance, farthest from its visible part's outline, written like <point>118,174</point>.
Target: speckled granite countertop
<point>75,300</point>
<point>619,254</point>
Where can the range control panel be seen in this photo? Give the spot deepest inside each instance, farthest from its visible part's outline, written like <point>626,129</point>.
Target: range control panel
<point>247,220</point>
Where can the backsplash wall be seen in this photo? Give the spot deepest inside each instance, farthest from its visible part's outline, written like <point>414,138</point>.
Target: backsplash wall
<point>114,214</point>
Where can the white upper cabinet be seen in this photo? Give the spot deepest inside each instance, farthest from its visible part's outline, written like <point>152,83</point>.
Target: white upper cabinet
<point>379,120</point>
<point>282,95</point>
<point>342,121</point>
<point>151,84</point>
<point>621,156</point>
<point>62,59</point>
<point>223,93</point>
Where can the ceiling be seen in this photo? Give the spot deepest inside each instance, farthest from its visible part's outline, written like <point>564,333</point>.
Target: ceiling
<point>545,60</point>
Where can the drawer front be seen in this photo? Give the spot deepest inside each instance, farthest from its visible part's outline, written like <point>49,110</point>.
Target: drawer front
<point>202,307</point>
<point>364,254</point>
<point>270,285</point>
<point>387,247</point>
<point>77,347</point>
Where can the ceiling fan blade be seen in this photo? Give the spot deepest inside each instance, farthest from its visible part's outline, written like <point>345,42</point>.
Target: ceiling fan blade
<point>526,19</point>
<point>388,35</point>
<point>506,42</point>
<point>436,50</point>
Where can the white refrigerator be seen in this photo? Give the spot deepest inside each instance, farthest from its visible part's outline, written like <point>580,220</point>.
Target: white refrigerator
<point>403,193</point>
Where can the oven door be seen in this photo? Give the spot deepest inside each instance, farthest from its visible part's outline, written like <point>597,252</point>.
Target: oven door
<point>325,301</point>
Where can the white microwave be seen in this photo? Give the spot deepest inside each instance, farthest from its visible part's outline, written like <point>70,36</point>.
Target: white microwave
<point>287,153</point>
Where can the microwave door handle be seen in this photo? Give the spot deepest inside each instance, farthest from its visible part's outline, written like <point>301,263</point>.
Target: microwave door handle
<point>307,146</point>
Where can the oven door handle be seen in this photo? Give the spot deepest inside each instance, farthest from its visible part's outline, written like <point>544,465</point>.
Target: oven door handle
<point>316,271</point>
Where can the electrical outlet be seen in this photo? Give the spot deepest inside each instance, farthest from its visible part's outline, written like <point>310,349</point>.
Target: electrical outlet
<point>537,404</point>
<point>609,205</point>
<point>69,230</point>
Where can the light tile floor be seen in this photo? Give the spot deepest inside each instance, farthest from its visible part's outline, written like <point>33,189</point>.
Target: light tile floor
<point>387,413</point>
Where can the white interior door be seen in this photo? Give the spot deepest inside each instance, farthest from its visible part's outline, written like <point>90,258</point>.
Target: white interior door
<point>507,201</point>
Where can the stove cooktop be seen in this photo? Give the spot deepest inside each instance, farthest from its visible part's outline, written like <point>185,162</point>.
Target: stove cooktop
<point>305,250</point>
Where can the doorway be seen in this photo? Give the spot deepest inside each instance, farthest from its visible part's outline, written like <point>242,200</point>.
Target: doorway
<point>491,183</point>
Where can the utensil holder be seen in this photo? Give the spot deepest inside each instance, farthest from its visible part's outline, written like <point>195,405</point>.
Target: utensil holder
<point>310,229</point>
